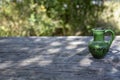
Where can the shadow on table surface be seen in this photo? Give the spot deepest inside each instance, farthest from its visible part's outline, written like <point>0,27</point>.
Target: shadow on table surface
<point>54,58</point>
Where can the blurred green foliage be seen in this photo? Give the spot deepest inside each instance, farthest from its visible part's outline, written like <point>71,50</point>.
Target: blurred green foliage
<point>110,16</point>
<point>48,17</point>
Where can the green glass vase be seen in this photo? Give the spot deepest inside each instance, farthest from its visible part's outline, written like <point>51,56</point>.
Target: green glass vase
<point>99,47</point>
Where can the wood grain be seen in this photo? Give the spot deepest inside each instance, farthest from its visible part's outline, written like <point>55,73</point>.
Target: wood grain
<point>56,58</point>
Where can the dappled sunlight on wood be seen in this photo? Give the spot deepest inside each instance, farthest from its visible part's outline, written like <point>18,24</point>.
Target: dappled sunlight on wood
<point>40,60</point>
<point>6,64</point>
<point>114,70</point>
<point>85,62</point>
<point>29,61</point>
<point>61,58</point>
<point>56,43</point>
<point>53,50</point>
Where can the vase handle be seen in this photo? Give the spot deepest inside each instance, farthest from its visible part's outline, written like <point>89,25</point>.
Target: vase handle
<point>112,35</point>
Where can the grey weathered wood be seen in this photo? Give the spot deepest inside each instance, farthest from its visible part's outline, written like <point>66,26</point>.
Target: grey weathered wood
<point>56,58</point>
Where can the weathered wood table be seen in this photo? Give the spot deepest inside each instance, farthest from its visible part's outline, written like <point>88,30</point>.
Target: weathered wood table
<point>56,58</point>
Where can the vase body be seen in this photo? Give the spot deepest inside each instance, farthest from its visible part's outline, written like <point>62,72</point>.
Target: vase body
<point>99,47</point>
